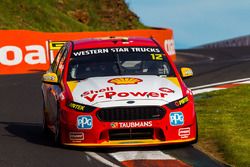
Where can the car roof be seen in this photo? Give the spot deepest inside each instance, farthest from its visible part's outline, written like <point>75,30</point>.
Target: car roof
<point>113,42</point>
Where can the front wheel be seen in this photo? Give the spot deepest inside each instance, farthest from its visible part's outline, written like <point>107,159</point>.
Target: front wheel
<point>197,136</point>
<point>57,135</point>
<point>45,125</point>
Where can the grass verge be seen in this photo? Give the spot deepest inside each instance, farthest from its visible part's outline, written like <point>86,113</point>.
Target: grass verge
<point>224,119</point>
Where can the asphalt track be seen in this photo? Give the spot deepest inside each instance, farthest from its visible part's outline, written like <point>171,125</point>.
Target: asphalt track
<point>23,144</point>
<point>215,65</point>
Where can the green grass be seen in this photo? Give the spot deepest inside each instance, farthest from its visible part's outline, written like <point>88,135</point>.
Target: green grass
<point>224,119</point>
<point>67,15</point>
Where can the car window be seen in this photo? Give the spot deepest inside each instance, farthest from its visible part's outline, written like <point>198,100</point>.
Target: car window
<point>55,63</point>
<point>60,68</point>
<point>118,61</point>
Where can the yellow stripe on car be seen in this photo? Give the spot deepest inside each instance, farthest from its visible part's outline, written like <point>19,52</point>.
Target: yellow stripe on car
<point>175,81</point>
<point>135,143</point>
<point>72,85</point>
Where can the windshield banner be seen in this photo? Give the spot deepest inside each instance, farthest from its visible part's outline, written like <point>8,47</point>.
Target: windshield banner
<point>86,52</point>
<point>24,51</point>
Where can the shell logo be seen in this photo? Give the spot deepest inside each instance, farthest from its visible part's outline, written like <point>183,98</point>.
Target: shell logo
<point>124,81</point>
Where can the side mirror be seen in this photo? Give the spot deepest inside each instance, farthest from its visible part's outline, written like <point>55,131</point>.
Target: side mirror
<point>186,72</point>
<point>50,78</point>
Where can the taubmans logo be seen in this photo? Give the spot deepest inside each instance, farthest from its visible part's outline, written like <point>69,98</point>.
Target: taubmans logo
<point>131,124</point>
<point>114,125</point>
<point>176,118</point>
<point>84,122</point>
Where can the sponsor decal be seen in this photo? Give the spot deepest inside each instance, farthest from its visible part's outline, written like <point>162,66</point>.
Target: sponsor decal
<point>107,89</point>
<point>76,106</point>
<point>108,94</point>
<point>184,132</point>
<point>114,125</point>
<point>178,103</point>
<point>49,78</point>
<point>90,52</point>
<point>189,72</point>
<point>176,118</point>
<point>169,46</point>
<point>77,53</point>
<point>56,45</point>
<point>131,124</point>
<point>14,55</point>
<point>124,81</point>
<point>181,101</point>
<point>157,56</point>
<point>76,135</point>
<point>84,122</point>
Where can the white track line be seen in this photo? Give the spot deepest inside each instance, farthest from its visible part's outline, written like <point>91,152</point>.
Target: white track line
<point>196,55</point>
<point>141,155</point>
<point>245,82</point>
<point>101,159</point>
<point>198,91</point>
<point>220,83</point>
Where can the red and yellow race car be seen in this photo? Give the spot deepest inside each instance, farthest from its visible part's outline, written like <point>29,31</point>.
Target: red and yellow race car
<point>117,92</point>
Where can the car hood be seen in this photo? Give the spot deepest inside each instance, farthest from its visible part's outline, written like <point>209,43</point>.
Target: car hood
<point>126,91</point>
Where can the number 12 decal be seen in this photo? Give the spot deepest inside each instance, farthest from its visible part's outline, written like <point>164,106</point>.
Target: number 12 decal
<point>157,56</point>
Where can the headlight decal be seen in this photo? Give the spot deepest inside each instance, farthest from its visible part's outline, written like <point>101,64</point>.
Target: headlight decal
<point>76,106</point>
<point>80,107</point>
<point>178,103</point>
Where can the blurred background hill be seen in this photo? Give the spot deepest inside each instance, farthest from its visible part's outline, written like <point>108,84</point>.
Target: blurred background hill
<point>67,15</point>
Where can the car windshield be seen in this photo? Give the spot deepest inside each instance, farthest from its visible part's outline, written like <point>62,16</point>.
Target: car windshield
<point>118,61</point>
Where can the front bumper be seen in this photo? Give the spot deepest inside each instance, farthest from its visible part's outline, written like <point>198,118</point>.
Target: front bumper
<point>131,143</point>
<point>98,134</point>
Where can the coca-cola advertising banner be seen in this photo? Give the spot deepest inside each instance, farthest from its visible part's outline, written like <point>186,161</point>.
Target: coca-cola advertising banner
<point>23,51</point>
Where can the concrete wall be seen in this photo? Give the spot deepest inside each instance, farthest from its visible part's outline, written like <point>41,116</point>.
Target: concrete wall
<point>234,42</point>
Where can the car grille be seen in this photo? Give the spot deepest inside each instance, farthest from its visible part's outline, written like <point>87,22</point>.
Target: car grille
<point>130,113</point>
<point>131,134</point>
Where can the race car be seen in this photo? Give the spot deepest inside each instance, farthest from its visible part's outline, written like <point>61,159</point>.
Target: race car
<point>117,91</point>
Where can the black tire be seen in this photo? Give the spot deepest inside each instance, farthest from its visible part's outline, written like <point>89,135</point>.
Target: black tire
<point>197,136</point>
<point>45,124</point>
<point>197,132</point>
<point>57,135</point>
